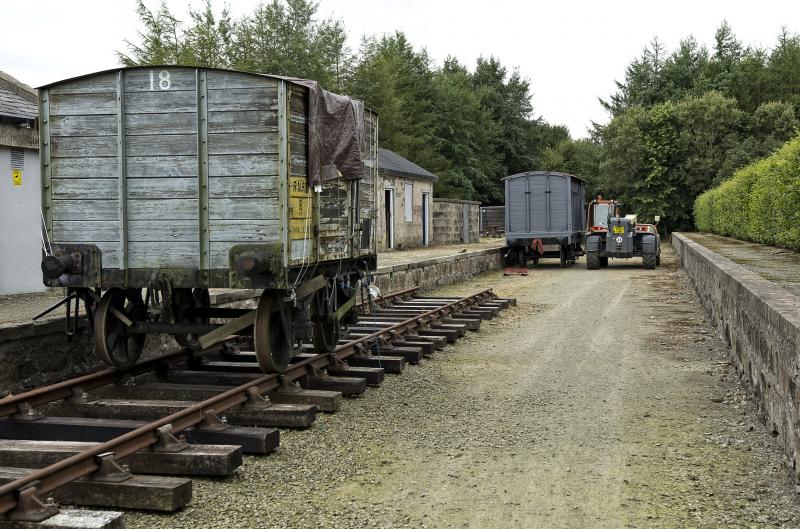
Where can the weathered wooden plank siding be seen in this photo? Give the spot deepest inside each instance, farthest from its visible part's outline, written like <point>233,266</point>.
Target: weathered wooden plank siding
<point>102,83</point>
<point>161,164</point>
<point>84,164</point>
<point>85,126</point>
<point>85,209</point>
<point>162,167</point>
<point>301,208</point>
<point>367,187</point>
<point>85,104</point>
<point>163,254</point>
<point>158,124</point>
<point>90,231</point>
<point>242,162</point>
<point>243,186</point>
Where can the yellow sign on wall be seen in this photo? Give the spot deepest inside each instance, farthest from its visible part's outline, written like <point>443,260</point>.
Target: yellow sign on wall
<point>16,177</point>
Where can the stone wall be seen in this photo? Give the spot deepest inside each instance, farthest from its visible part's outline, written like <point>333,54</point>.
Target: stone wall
<point>761,323</point>
<point>448,221</point>
<point>439,271</point>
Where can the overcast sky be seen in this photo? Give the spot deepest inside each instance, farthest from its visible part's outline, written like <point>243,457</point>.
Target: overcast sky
<point>571,51</point>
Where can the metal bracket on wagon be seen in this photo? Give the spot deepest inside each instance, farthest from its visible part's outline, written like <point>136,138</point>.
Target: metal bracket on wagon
<point>72,265</point>
<point>255,265</point>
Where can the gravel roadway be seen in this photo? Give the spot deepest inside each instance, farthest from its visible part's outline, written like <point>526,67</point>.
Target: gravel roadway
<point>604,399</point>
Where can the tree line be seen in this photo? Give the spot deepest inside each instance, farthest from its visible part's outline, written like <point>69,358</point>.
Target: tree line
<point>686,120</point>
<point>680,122</point>
<point>471,126</point>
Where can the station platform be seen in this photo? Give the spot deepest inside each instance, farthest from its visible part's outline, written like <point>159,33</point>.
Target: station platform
<point>395,258</point>
<point>779,265</point>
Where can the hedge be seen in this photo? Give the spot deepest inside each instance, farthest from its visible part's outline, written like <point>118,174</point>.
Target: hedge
<point>760,202</point>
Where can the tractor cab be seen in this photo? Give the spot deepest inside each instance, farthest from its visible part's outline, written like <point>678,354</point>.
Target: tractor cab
<point>612,234</point>
<point>599,212</point>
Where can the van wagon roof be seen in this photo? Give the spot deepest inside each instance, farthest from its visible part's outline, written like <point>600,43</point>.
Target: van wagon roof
<point>533,173</point>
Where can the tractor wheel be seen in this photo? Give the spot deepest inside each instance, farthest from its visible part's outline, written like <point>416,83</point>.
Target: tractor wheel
<point>523,263</point>
<point>563,256</point>
<point>604,261</point>
<point>649,261</point>
<point>592,261</point>
<point>658,259</point>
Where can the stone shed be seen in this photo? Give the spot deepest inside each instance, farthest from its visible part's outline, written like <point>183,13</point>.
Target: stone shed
<point>404,203</point>
<point>20,189</point>
<point>456,221</point>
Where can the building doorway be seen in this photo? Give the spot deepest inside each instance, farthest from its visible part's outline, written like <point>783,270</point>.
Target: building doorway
<point>388,206</point>
<point>425,219</point>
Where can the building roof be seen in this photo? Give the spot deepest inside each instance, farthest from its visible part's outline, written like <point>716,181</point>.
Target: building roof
<point>17,100</point>
<point>392,164</point>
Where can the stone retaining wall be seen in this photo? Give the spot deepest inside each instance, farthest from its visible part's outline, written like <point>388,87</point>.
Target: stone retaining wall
<point>448,221</point>
<point>439,271</point>
<point>761,323</point>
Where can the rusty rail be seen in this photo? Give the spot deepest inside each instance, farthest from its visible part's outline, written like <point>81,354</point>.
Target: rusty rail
<point>14,404</point>
<point>50,478</point>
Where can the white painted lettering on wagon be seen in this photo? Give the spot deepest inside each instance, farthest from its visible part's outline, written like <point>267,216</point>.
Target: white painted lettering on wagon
<point>164,82</point>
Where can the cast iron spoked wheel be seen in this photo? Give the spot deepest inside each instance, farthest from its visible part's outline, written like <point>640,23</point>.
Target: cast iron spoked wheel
<point>326,329</point>
<point>112,341</point>
<point>343,295</point>
<point>185,300</point>
<point>273,350</point>
<point>563,255</point>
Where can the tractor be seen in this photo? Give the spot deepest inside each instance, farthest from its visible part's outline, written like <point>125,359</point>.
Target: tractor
<point>610,234</point>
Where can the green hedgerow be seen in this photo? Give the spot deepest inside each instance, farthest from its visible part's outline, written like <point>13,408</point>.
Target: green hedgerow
<point>760,202</point>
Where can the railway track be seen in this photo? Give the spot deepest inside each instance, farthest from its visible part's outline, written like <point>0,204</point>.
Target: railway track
<point>134,438</point>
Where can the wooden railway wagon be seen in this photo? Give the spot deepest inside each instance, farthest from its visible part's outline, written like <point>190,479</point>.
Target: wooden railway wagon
<point>162,182</point>
<point>545,210</point>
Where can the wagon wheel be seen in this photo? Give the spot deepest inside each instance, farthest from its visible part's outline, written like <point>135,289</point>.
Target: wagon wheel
<point>343,295</point>
<point>113,343</point>
<point>185,301</point>
<point>326,328</point>
<point>523,262</point>
<point>273,348</point>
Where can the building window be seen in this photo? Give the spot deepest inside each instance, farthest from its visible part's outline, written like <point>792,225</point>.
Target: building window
<point>409,202</point>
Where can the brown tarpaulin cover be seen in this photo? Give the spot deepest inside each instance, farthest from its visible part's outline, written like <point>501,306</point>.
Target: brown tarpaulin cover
<point>334,123</point>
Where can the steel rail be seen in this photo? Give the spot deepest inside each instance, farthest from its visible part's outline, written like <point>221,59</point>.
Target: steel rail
<point>388,297</point>
<point>50,478</point>
<point>14,404</point>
